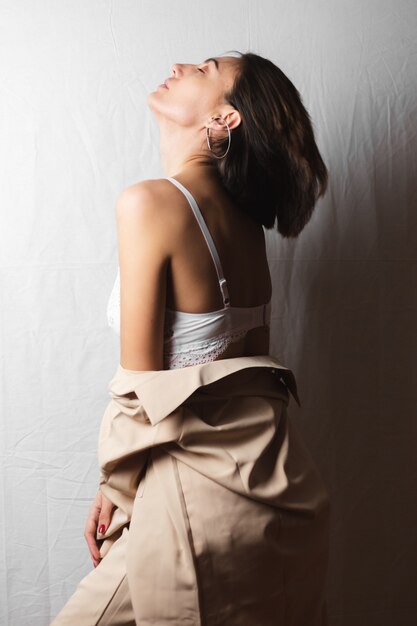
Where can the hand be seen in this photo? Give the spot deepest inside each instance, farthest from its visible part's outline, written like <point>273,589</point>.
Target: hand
<point>99,517</point>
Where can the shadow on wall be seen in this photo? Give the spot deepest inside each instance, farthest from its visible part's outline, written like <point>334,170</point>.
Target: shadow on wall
<point>345,315</point>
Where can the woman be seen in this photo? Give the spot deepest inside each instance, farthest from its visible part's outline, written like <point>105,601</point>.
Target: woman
<point>232,527</point>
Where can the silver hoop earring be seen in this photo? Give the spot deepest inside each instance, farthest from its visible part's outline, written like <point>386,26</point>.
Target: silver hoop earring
<point>217,117</point>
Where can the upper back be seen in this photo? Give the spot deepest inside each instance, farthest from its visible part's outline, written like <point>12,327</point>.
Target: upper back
<point>218,288</point>
<point>212,236</point>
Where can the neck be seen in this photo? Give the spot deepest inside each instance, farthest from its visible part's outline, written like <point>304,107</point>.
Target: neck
<point>182,149</point>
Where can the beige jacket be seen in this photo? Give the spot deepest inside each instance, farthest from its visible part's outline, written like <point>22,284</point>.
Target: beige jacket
<point>227,513</point>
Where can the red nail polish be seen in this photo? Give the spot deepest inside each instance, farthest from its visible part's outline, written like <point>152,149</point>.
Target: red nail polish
<point>101,529</point>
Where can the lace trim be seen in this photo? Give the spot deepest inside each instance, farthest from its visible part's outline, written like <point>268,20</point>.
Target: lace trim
<point>201,351</point>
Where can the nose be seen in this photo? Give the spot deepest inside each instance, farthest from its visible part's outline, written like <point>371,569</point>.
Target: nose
<point>178,69</point>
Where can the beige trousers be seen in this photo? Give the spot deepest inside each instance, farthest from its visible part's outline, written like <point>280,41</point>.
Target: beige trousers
<point>221,516</point>
<point>103,596</point>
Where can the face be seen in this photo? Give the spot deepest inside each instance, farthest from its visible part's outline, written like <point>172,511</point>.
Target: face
<point>195,92</point>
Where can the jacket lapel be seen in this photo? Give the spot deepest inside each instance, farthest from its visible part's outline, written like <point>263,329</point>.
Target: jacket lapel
<point>162,391</point>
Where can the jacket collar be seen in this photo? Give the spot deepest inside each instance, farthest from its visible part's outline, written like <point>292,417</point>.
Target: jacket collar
<point>162,391</point>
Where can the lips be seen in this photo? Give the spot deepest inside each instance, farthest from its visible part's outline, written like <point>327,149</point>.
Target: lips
<point>164,84</point>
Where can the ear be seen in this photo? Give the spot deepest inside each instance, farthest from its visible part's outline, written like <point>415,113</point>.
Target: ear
<point>231,116</point>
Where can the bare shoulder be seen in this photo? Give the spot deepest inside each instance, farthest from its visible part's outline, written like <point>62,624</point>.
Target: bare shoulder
<point>140,197</point>
<point>152,193</point>
<point>153,203</point>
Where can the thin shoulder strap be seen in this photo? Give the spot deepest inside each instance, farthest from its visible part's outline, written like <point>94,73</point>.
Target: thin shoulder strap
<point>208,238</point>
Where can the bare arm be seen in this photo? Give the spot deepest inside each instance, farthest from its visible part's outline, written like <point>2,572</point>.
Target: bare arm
<point>143,259</point>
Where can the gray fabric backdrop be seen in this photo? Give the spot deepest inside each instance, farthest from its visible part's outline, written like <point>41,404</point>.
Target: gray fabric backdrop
<point>75,130</point>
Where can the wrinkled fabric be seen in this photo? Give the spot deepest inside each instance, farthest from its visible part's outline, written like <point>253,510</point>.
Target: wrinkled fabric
<point>227,514</point>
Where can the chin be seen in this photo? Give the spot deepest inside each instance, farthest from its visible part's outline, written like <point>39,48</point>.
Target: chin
<point>149,97</point>
<point>152,103</point>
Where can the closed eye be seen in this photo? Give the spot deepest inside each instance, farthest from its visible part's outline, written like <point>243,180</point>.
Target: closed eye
<point>200,70</point>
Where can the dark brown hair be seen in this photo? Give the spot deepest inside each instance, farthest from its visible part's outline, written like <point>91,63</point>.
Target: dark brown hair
<point>273,169</point>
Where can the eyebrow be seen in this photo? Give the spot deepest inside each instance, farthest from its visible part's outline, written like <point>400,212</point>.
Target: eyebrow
<point>215,61</point>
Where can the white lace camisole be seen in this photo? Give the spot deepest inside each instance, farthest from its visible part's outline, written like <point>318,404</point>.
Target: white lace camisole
<point>193,338</point>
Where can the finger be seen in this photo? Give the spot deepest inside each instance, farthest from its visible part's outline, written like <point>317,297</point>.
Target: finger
<point>90,537</point>
<point>90,530</point>
<point>105,515</point>
<point>92,544</point>
<point>95,562</point>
